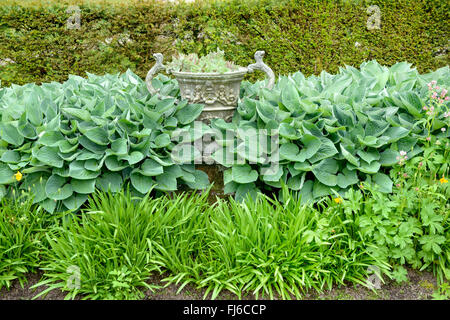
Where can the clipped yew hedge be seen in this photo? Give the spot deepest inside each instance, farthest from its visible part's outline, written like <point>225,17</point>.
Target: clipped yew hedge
<point>311,36</point>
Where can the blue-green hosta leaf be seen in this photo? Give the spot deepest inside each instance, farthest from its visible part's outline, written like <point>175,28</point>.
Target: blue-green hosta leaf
<point>306,192</point>
<point>83,186</point>
<point>63,172</point>
<point>77,113</point>
<point>247,108</point>
<point>350,158</point>
<point>370,168</point>
<point>164,161</point>
<point>200,182</point>
<point>78,171</point>
<point>34,112</point>
<point>347,178</point>
<point>127,125</point>
<point>272,176</point>
<point>49,156</point>
<point>413,103</point>
<point>325,171</point>
<point>49,205</point>
<point>51,138</point>
<point>311,144</point>
<point>396,133</point>
<point>98,136</point>
<point>10,134</point>
<point>251,151</point>
<point>376,128</point>
<point>109,181</point>
<point>369,155</point>
<point>388,158</point>
<point>243,174</point>
<point>119,147</point>
<point>57,189</point>
<point>151,168</point>
<point>27,130</point>
<point>185,153</point>
<point>6,174</point>
<point>296,183</point>
<point>132,158</point>
<point>163,140</point>
<point>290,98</point>
<point>66,147</point>
<point>246,190</point>
<point>10,156</point>
<point>326,150</point>
<point>384,182</point>
<point>114,164</point>
<point>86,155</point>
<point>291,152</point>
<point>303,166</point>
<point>265,111</point>
<point>69,157</point>
<point>166,106</point>
<point>91,146</point>
<point>367,140</point>
<point>230,187</point>
<point>308,106</point>
<point>142,183</point>
<point>166,182</point>
<point>189,113</point>
<point>344,117</point>
<point>75,201</point>
<point>289,132</point>
<point>321,190</point>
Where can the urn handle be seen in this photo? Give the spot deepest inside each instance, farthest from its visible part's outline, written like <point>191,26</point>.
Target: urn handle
<point>153,71</point>
<point>260,65</point>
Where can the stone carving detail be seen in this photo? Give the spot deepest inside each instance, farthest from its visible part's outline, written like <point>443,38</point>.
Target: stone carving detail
<point>260,65</point>
<point>210,93</point>
<point>154,70</point>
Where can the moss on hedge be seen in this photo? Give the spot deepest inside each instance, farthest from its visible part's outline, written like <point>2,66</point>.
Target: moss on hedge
<point>310,36</point>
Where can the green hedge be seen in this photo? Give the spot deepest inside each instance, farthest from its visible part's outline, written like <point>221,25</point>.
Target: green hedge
<point>310,36</point>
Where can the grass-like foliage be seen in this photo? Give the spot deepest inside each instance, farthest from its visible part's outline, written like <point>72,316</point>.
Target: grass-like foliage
<point>22,237</point>
<point>262,246</point>
<point>114,244</point>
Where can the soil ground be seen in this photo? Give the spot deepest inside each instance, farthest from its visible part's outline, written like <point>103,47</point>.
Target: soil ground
<point>419,287</point>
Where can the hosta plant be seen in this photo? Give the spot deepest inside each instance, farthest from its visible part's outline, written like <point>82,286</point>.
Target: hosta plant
<point>63,141</point>
<point>334,131</point>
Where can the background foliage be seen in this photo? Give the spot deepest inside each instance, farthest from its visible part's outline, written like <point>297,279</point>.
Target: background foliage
<point>116,37</point>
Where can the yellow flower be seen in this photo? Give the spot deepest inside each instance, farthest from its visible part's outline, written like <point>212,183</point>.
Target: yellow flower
<point>337,200</point>
<point>18,176</point>
<point>443,180</point>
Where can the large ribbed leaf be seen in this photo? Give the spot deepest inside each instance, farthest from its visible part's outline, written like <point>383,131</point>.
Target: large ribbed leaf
<point>10,134</point>
<point>142,183</point>
<point>49,156</point>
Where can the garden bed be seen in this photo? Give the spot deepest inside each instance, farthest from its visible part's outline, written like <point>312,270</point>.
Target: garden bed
<point>420,286</point>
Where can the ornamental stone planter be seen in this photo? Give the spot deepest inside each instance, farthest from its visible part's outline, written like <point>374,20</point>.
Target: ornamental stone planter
<point>219,92</point>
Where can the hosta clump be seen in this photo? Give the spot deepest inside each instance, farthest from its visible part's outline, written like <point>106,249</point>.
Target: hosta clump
<point>102,132</point>
<point>333,130</point>
<point>212,62</point>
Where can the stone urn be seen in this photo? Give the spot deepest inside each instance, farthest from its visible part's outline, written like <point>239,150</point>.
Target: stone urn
<point>219,92</point>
